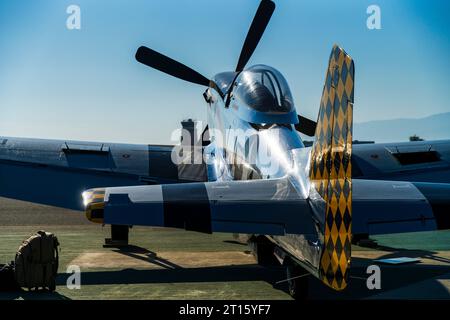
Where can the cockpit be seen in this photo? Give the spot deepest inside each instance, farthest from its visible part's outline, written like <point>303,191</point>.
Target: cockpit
<point>259,95</point>
<point>263,89</point>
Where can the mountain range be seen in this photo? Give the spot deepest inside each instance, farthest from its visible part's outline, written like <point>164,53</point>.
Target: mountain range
<point>434,127</point>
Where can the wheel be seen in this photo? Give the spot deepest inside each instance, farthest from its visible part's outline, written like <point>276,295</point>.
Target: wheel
<point>297,281</point>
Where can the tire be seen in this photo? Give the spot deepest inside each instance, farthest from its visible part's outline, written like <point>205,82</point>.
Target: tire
<point>297,281</point>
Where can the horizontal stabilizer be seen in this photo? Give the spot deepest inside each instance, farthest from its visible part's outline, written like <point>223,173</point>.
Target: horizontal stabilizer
<point>381,207</point>
<point>270,207</point>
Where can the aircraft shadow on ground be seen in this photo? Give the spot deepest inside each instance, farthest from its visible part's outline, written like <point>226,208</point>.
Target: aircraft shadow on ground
<point>235,242</point>
<point>173,273</point>
<point>32,295</point>
<point>400,252</point>
<point>392,276</point>
<point>180,275</point>
<point>150,256</point>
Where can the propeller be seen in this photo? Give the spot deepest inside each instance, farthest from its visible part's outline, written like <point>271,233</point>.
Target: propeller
<point>176,69</point>
<point>306,126</point>
<point>259,24</point>
<point>167,65</point>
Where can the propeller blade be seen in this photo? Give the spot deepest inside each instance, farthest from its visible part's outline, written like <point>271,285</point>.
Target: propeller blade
<point>259,24</point>
<point>167,65</point>
<point>306,126</point>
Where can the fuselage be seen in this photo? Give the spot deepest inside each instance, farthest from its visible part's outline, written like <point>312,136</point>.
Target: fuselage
<point>247,144</point>
<point>248,141</point>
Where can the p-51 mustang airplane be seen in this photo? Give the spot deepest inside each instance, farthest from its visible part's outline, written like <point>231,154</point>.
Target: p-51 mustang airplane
<point>301,207</point>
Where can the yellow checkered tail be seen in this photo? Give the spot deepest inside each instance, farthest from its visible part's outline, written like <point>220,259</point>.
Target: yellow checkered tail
<point>330,172</point>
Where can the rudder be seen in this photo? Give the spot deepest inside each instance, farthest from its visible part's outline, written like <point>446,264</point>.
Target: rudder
<point>330,168</point>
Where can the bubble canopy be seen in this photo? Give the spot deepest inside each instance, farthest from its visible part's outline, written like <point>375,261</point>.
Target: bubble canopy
<point>261,95</point>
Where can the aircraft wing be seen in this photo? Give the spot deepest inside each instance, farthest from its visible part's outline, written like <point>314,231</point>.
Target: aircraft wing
<point>426,161</point>
<point>56,172</point>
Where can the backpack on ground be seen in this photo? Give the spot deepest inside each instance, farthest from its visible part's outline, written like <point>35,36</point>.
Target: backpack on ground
<point>36,263</point>
<point>7,278</point>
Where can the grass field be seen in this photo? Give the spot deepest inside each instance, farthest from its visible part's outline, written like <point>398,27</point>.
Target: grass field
<point>173,264</point>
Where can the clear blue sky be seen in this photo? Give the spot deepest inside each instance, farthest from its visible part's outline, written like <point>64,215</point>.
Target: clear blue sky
<point>85,84</point>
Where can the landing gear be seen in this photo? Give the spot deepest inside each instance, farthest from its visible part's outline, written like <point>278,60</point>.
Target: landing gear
<point>263,251</point>
<point>52,286</point>
<point>297,281</point>
<point>119,237</point>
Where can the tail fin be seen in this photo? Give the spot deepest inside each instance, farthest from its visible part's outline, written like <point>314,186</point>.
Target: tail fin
<point>330,172</point>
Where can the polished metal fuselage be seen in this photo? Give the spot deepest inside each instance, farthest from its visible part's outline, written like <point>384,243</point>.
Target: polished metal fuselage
<point>241,150</point>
